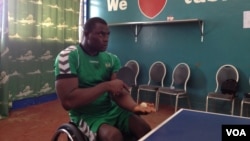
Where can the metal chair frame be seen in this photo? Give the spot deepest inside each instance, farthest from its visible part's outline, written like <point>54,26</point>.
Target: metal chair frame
<point>156,73</point>
<point>245,100</point>
<point>225,72</point>
<point>178,87</point>
<point>133,65</point>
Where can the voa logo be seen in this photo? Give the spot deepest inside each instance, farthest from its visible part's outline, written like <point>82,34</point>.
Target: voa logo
<point>115,5</point>
<point>236,132</point>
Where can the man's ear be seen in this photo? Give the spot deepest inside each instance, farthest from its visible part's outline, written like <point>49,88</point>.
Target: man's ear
<point>86,33</point>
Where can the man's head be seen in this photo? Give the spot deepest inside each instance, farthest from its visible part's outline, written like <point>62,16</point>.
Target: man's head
<point>96,34</point>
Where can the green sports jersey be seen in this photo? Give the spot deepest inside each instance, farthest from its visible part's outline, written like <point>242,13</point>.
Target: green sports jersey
<point>90,70</point>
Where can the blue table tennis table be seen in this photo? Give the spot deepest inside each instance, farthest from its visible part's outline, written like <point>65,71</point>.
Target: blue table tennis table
<point>193,125</point>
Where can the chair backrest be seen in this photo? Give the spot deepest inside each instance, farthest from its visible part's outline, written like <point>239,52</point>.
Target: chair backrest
<point>127,75</point>
<point>225,72</point>
<point>157,73</point>
<point>180,76</point>
<point>133,65</point>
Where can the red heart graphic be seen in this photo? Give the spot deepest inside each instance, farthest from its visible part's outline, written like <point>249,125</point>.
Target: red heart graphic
<point>151,8</point>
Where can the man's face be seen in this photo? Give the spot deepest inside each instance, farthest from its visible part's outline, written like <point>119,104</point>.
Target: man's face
<point>97,39</point>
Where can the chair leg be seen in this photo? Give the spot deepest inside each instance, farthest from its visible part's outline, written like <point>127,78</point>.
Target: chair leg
<point>176,102</point>
<point>241,108</point>
<point>157,100</point>
<point>247,110</point>
<point>138,95</point>
<point>207,104</point>
<point>130,90</point>
<point>232,109</point>
<point>189,103</point>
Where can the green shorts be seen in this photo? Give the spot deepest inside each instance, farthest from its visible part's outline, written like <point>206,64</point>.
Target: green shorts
<point>116,117</point>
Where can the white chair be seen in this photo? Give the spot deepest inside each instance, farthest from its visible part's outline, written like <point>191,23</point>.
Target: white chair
<point>157,73</point>
<point>178,87</point>
<point>225,72</point>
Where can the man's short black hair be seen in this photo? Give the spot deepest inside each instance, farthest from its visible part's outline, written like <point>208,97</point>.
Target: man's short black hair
<point>90,24</point>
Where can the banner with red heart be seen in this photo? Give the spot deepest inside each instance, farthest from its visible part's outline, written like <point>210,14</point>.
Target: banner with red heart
<point>151,8</point>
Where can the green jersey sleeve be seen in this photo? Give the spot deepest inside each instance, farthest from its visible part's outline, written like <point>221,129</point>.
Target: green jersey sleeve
<point>116,63</point>
<point>67,61</point>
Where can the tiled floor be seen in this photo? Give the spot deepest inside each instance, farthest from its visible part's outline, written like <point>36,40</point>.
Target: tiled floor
<point>39,122</point>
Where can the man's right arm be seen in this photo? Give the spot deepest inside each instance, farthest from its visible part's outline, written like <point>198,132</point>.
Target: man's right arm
<point>71,96</point>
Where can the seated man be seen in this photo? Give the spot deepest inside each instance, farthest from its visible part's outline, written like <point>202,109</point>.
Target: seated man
<point>87,87</point>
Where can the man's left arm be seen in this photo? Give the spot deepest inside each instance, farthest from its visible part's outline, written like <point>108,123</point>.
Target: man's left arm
<point>126,101</point>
